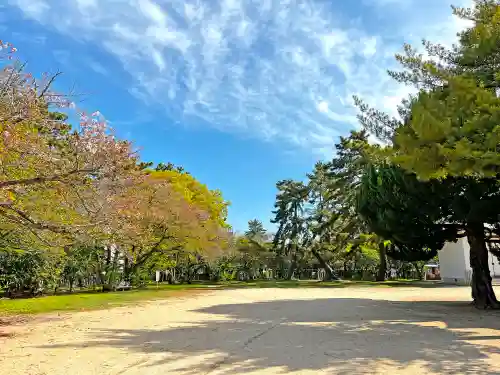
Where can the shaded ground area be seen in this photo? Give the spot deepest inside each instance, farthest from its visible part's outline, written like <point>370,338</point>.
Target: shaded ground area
<point>94,299</point>
<point>272,331</point>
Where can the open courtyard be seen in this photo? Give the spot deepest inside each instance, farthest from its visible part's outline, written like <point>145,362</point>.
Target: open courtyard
<point>410,330</point>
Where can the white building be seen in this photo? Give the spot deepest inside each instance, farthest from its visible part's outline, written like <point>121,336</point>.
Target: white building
<point>454,263</point>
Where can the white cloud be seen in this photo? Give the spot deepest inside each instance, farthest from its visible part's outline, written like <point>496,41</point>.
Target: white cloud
<point>282,70</point>
<point>33,8</point>
<point>370,47</point>
<point>97,67</point>
<point>87,4</point>
<point>383,3</point>
<point>323,107</point>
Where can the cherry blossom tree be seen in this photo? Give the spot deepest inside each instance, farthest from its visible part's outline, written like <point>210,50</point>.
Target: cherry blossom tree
<point>53,178</point>
<point>153,217</point>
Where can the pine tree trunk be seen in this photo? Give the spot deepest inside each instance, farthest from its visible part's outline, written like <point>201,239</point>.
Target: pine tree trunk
<point>293,265</point>
<point>382,267</point>
<point>330,274</point>
<point>483,294</point>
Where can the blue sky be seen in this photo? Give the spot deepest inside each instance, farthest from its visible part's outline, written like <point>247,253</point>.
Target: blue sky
<point>242,93</point>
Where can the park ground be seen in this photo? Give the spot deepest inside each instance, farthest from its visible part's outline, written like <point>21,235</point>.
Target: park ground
<point>361,330</point>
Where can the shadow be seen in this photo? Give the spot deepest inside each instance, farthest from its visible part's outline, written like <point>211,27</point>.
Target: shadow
<point>337,336</point>
<point>336,284</point>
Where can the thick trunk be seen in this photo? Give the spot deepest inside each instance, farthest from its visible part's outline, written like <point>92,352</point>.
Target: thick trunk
<point>382,267</point>
<point>330,274</point>
<point>483,294</point>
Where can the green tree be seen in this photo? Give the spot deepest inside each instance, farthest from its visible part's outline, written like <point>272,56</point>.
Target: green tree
<point>256,231</point>
<point>167,212</point>
<point>161,167</point>
<point>29,273</point>
<point>451,126</point>
<point>289,215</point>
<point>448,134</point>
<point>419,217</point>
<point>336,218</point>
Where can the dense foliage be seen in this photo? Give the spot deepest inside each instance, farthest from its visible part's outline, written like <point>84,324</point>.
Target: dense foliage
<point>438,177</point>
<point>77,207</point>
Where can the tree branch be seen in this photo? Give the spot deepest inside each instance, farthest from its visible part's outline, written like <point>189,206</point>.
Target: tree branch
<point>156,248</point>
<point>39,180</point>
<point>31,222</point>
<point>28,221</point>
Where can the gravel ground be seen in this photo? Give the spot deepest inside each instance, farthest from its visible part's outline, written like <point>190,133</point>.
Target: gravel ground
<point>266,331</point>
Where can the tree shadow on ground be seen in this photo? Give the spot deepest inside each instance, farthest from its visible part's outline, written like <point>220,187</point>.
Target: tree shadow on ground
<point>338,336</point>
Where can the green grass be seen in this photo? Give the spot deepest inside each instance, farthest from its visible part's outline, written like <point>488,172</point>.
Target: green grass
<point>96,300</point>
<point>91,301</point>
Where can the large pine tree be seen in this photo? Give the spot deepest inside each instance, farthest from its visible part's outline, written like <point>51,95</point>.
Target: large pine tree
<point>448,135</point>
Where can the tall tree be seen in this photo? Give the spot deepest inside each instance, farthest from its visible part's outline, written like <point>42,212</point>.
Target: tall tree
<point>289,215</point>
<point>168,212</point>
<point>320,216</point>
<point>419,217</point>
<point>449,134</point>
<point>255,231</point>
<point>450,127</point>
<point>52,175</point>
<point>343,224</point>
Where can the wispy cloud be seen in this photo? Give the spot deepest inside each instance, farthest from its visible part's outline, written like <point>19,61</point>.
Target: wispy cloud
<point>279,70</point>
<point>95,65</point>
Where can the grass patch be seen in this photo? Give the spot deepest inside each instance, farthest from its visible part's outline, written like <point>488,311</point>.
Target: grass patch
<point>96,300</point>
<point>92,300</point>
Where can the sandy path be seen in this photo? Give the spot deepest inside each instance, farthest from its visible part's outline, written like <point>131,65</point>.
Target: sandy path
<point>268,331</point>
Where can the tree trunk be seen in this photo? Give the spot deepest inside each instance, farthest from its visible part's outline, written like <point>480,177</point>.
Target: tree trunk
<point>108,257</point>
<point>483,294</point>
<point>169,276</point>
<point>419,271</point>
<point>293,266</point>
<point>126,268</point>
<point>382,267</point>
<point>330,274</point>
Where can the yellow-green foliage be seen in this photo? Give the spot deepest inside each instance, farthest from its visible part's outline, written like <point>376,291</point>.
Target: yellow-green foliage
<point>197,194</point>
<point>453,131</point>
